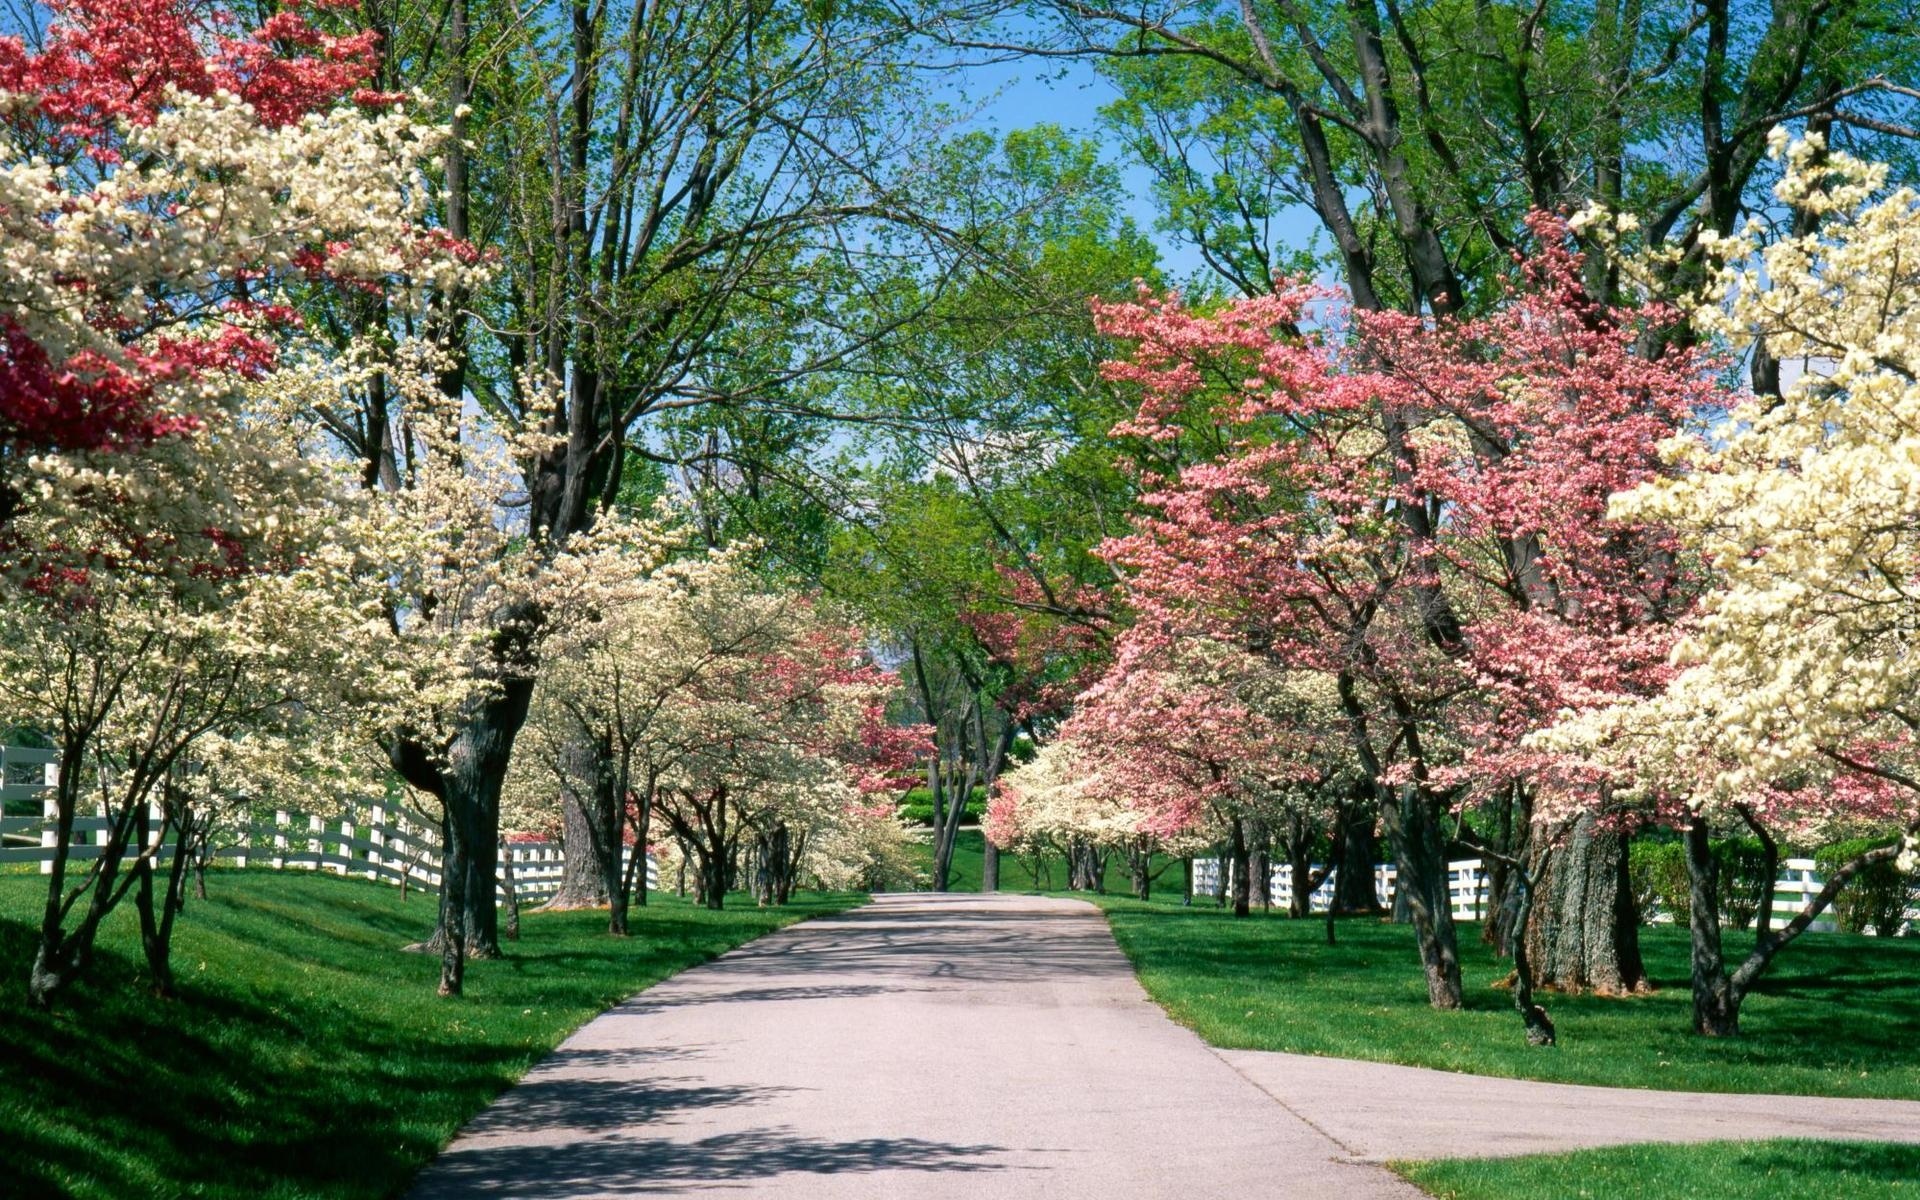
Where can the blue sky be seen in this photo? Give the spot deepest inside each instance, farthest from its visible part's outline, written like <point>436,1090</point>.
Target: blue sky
<point>1067,93</point>
<point>1070,93</point>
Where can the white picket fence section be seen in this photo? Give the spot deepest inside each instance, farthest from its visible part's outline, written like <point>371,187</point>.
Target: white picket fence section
<point>377,841</point>
<point>1470,886</point>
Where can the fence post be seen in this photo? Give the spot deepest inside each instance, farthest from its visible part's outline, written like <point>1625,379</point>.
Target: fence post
<point>377,837</point>
<point>280,822</point>
<point>50,810</point>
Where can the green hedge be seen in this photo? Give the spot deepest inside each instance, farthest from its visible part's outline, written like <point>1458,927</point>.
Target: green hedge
<point>1658,871</point>
<point>1876,898</point>
<point>917,806</point>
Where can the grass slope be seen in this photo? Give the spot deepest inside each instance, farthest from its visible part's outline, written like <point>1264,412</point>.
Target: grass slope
<point>1835,1016</point>
<point>1783,1170</point>
<point>307,1056</point>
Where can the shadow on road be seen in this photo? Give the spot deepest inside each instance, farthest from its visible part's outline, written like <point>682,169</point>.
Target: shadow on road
<point>903,942</point>
<point>616,1166</point>
<point>570,1102</point>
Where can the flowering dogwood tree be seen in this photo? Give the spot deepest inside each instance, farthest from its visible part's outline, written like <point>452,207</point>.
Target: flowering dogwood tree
<point>1176,748</point>
<point>1795,699</point>
<point>171,181</point>
<point>163,169</point>
<point>744,717</point>
<point>1413,511</point>
<point>188,671</point>
<point>781,735</point>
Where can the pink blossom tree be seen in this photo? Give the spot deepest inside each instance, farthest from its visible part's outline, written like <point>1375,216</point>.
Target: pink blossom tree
<point>1415,510</point>
<point>124,291</point>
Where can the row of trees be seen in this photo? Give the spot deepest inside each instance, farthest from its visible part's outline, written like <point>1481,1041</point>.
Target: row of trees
<point>309,393</point>
<point>1542,561</point>
<point>277,525</point>
<point>745,718</point>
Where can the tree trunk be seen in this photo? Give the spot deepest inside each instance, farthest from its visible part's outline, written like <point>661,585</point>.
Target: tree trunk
<point>943,829</point>
<point>467,784</point>
<point>156,927</point>
<point>583,876</point>
<point>1353,886</point>
<point>1084,867</point>
<point>1503,878</point>
<point>773,866</point>
<point>1242,867</point>
<point>637,885</point>
<point>1300,872</point>
<point>452,934</point>
<point>1140,868</point>
<point>1260,864</point>
<point>1419,854</point>
<point>990,868</point>
<point>509,886</point>
<point>59,955</point>
<point>791,848</point>
<point>761,872</point>
<point>1585,934</point>
<point>713,869</point>
<point>1533,1018</point>
<point>1716,1007</point>
<point>1186,882</point>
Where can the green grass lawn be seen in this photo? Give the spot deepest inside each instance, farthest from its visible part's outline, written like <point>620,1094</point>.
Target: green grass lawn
<point>1836,1015</point>
<point>1025,874</point>
<point>307,1055</point>
<point>1783,1170</point>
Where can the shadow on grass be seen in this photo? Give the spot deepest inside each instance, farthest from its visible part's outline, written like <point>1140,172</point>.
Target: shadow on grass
<point>306,1051</point>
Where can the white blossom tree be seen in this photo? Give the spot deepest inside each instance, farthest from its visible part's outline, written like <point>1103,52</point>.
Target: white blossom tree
<point>1796,696</point>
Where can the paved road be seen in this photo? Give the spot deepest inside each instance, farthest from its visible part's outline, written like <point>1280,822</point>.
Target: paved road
<point>927,1047</point>
<point>921,1047</point>
<point>1378,1112</point>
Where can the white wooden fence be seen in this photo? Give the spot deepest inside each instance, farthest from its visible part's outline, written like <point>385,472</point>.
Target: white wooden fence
<point>1470,886</point>
<point>377,841</point>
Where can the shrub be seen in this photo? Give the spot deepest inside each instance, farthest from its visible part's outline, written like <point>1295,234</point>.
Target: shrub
<point>1876,899</point>
<point>1743,879</point>
<point>917,806</point>
<point>1657,872</point>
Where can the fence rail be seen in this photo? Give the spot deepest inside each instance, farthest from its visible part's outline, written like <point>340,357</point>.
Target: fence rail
<point>376,841</point>
<point>1470,886</point>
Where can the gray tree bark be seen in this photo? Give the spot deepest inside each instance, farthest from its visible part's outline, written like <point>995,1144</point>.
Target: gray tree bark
<point>1585,931</point>
<point>583,882</point>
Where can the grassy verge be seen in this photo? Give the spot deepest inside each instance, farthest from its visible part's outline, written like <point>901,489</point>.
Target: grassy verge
<point>307,1056</point>
<point>1834,1017</point>
<point>1783,1170</point>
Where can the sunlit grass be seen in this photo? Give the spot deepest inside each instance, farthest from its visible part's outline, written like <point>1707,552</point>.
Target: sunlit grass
<point>1784,1170</point>
<point>1835,1016</point>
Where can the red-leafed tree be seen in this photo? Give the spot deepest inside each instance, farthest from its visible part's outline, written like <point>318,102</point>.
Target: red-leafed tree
<point>124,290</point>
<point>1528,421</point>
